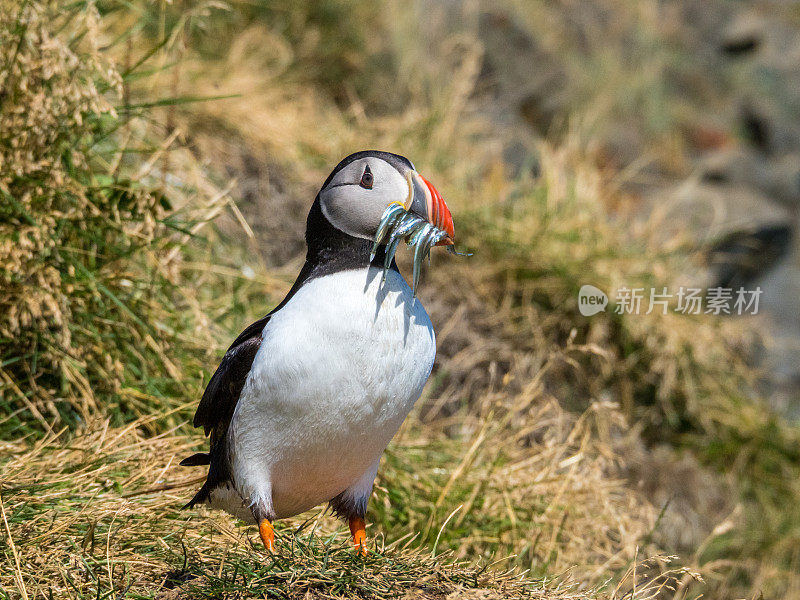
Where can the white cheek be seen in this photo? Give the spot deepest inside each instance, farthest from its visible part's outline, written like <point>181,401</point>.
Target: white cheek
<point>357,211</point>
<point>352,209</point>
<point>393,189</point>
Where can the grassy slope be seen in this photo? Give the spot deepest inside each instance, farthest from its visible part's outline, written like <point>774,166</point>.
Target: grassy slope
<point>95,519</point>
<point>515,449</point>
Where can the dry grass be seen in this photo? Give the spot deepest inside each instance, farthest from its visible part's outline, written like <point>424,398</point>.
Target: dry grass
<point>532,447</point>
<point>49,92</point>
<point>99,516</point>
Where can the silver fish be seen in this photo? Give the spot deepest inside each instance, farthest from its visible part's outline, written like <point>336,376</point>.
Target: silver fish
<point>398,224</point>
<point>422,247</point>
<point>388,220</point>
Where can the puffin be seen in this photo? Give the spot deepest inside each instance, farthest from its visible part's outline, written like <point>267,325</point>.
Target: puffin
<point>306,399</point>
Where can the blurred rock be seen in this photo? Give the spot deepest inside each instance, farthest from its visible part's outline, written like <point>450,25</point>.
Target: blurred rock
<point>692,501</point>
<point>777,178</point>
<point>756,127</point>
<point>708,212</point>
<point>743,257</point>
<point>743,35</point>
<point>730,181</point>
<point>780,305</point>
<point>521,157</point>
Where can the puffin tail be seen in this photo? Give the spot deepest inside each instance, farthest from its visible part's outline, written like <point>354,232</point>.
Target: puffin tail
<point>196,460</point>
<point>199,498</point>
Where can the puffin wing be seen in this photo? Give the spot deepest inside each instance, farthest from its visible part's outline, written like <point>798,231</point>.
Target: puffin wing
<point>222,393</point>
<point>215,411</point>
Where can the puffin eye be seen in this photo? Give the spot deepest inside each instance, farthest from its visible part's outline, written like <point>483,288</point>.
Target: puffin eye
<point>366,179</point>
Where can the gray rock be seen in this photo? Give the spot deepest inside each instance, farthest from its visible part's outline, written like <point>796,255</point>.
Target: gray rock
<point>777,178</point>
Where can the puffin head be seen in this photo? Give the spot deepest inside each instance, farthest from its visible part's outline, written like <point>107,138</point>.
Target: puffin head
<point>363,185</point>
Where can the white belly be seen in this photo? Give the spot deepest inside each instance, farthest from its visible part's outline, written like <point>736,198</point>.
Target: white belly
<point>338,370</point>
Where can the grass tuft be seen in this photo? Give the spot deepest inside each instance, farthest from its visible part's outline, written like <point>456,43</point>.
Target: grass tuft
<point>90,318</point>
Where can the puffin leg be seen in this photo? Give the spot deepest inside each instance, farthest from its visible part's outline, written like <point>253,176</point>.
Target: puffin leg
<point>359,530</point>
<point>264,515</point>
<point>267,533</point>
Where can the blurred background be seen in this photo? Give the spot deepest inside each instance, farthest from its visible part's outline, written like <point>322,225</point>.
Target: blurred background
<point>157,161</point>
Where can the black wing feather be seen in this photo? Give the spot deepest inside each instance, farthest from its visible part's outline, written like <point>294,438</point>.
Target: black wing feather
<point>196,460</point>
<point>223,390</point>
<point>219,400</point>
<point>216,408</point>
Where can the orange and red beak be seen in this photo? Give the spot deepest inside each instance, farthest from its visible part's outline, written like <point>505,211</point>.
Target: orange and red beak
<point>428,203</point>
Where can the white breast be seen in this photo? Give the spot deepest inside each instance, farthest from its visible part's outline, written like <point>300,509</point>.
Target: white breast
<point>338,370</point>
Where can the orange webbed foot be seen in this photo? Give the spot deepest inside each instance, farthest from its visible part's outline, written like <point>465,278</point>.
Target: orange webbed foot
<point>359,531</point>
<point>267,533</point>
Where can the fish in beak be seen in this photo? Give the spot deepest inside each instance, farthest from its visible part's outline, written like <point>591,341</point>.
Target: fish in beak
<point>423,221</point>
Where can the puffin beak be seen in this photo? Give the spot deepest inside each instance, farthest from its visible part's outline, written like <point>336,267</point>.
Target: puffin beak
<point>428,203</point>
